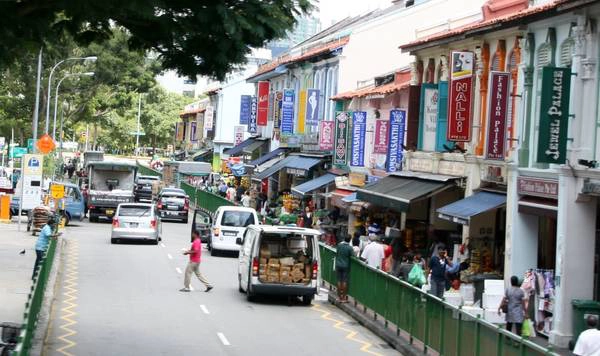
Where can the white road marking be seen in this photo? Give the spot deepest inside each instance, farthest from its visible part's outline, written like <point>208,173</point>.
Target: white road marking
<point>169,255</point>
<point>178,270</point>
<point>162,245</point>
<point>204,309</point>
<point>223,339</point>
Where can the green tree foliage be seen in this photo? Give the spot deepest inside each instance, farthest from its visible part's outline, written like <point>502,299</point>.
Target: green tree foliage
<point>205,37</point>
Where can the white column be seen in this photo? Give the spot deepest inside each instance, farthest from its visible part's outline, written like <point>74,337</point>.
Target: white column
<point>575,240</point>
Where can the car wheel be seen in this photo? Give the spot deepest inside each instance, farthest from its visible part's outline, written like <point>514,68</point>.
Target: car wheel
<point>155,242</point>
<point>249,295</point>
<point>67,219</point>
<point>307,299</point>
<point>213,252</point>
<point>240,284</point>
<point>113,241</point>
<point>185,221</point>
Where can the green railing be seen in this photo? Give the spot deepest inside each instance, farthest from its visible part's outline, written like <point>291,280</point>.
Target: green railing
<point>204,200</point>
<point>436,324</point>
<point>147,171</point>
<point>34,302</point>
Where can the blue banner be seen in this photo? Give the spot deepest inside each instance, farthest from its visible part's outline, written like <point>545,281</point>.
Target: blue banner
<point>359,128</point>
<point>312,107</point>
<point>245,109</point>
<point>287,112</point>
<point>396,140</point>
<point>252,127</point>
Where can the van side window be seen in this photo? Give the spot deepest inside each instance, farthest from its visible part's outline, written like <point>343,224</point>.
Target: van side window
<point>248,241</point>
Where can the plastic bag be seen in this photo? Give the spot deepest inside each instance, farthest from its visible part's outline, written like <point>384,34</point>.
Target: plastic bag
<point>527,328</point>
<point>416,276</point>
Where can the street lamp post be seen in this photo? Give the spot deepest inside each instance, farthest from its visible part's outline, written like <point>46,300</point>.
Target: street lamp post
<point>89,58</point>
<point>89,74</point>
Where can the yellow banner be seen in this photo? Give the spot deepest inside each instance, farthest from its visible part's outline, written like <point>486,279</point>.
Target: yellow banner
<point>301,111</point>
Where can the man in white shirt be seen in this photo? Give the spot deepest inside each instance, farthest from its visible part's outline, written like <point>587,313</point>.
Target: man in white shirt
<point>373,253</point>
<point>588,342</point>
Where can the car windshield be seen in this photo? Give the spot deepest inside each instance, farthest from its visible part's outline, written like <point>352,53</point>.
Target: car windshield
<point>237,218</point>
<point>138,211</point>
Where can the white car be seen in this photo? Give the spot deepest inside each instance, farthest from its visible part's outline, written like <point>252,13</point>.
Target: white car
<point>229,223</point>
<point>136,221</point>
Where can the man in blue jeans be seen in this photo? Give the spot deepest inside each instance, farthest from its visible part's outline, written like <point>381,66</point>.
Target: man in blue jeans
<point>437,266</point>
<point>42,242</point>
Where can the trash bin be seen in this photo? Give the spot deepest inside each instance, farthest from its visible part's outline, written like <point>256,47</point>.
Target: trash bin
<point>581,310</point>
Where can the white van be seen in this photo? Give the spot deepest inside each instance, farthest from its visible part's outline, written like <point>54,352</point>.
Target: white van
<point>279,260</point>
<point>229,223</point>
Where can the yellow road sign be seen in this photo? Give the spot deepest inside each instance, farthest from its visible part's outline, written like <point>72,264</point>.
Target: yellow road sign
<point>57,191</point>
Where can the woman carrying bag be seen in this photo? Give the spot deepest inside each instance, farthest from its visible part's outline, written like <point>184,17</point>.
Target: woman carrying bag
<point>513,304</point>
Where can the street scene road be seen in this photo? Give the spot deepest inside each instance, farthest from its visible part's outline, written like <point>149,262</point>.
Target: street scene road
<point>124,299</point>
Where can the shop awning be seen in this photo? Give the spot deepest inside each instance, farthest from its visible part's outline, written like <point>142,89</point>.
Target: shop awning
<point>351,198</point>
<point>538,206</point>
<point>267,157</point>
<point>314,184</point>
<point>294,165</point>
<point>201,156</point>
<point>253,146</point>
<point>239,149</point>
<point>397,193</point>
<point>461,211</point>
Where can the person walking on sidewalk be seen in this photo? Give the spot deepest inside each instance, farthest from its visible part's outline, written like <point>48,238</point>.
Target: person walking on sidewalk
<point>193,266</point>
<point>43,241</point>
<point>342,268</point>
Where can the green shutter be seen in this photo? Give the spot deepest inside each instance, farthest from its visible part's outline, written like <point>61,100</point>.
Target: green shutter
<point>442,124</point>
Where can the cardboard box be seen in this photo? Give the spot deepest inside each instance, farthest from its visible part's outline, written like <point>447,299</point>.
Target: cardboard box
<point>263,261</point>
<point>274,261</point>
<point>493,317</point>
<point>467,291</point>
<point>299,266</point>
<point>284,273</point>
<point>492,301</point>
<point>286,261</point>
<point>273,278</point>
<point>493,286</point>
<point>285,279</point>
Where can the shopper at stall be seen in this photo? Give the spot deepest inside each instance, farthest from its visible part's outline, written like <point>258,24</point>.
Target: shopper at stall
<point>588,342</point>
<point>374,252</point>
<point>373,228</point>
<point>223,189</point>
<point>342,268</point>
<point>307,218</point>
<point>245,200</point>
<point>437,266</point>
<point>405,267</point>
<point>514,303</point>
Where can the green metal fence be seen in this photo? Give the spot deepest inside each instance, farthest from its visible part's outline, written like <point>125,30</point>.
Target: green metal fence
<point>203,199</point>
<point>436,324</point>
<point>147,171</point>
<point>34,302</point>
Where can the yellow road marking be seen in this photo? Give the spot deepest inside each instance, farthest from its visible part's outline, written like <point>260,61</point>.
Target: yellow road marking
<point>351,334</point>
<point>68,313</point>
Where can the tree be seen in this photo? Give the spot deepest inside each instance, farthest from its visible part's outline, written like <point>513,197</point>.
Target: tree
<point>205,37</point>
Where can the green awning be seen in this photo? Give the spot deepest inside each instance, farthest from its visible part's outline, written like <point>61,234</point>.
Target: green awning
<point>397,193</point>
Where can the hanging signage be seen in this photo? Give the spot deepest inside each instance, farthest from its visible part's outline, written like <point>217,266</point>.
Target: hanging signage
<point>245,109</point>
<point>312,107</point>
<point>238,134</point>
<point>263,103</point>
<point>209,117</point>
<point>359,128</point>
<point>554,115</point>
<point>31,192</point>
<point>430,117</point>
<point>341,138</point>
<point>287,112</point>
<point>497,115</point>
<point>301,111</point>
<point>460,100</point>
<point>326,131</point>
<point>382,128</point>
<point>252,125</point>
<point>396,140</point>
<point>278,98</point>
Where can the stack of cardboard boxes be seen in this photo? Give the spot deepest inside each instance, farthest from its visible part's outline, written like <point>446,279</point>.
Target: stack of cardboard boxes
<point>283,270</point>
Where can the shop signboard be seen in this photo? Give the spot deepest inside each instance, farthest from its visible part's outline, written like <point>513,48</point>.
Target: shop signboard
<point>554,115</point>
<point>497,115</point>
<point>396,140</point>
<point>277,99</point>
<point>209,118</point>
<point>591,187</point>
<point>301,111</point>
<point>312,107</point>
<point>340,155</point>
<point>460,100</point>
<point>326,131</point>
<point>245,109</point>
<point>359,128</point>
<point>382,128</point>
<point>238,134</point>
<point>545,188</point>
<point>430,117</point>
<point>287,112</point>
<point>31,194</point>
<point>263,103</point>
<point>252,125</point>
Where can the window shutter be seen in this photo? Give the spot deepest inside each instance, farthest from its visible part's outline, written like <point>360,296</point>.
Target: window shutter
<point>413,116</point>
<point>566,52</point>
<point>512,61</point>
<point>544,55</point>
<point>442,124</point>
<point>495,64</point>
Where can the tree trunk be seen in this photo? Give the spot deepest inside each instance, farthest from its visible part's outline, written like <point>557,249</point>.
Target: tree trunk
<point>94,148</point>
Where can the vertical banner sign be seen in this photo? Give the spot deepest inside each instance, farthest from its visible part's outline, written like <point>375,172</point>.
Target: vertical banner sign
<point>238,134</point>
<point>278,98</point>
<point>312,107</point>
<point>263,103</point>
<point>497,115</point>
<point>245,109</point>
<point>252,128</point>
<point>460,100</point>
<point>326,131</point>
<point>396,140</point>
<point>32,181</point>
<point>209,118</point>
<point>359,128</point>
<point>382,128</point>
<point>554,115</point>
<point>341,138</point>
<point>301,111</point>
<point>287,112</point>
<point>430,117</point>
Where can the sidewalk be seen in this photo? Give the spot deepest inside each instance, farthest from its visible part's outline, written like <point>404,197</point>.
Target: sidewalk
<point>15,269</point>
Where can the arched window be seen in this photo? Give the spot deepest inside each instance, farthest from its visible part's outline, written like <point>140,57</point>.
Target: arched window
<point>328,93</point>
<point>566,52</point>
<point>495,62</point>
<point>334,91</point>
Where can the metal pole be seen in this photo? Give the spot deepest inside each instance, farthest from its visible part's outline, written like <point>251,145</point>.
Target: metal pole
<point>56,105</point>
<point>137,134</point>
<point>87,136</point>
<point>36,111</point>
<point>62,117</point>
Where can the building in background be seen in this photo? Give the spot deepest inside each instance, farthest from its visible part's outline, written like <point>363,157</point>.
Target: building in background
<point>306,27</point>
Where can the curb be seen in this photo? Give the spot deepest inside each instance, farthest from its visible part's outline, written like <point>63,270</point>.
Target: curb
<point>397,342</point>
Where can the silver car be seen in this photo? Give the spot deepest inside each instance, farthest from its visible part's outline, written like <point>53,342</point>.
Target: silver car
<point>136,221</point>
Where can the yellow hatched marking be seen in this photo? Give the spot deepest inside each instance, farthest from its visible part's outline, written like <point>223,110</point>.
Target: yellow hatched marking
<point>68,313</point>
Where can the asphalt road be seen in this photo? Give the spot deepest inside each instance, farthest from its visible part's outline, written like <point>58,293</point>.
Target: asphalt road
<point>124,300</point>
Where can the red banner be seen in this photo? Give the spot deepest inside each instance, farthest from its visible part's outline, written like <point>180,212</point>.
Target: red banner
<point>263,103</point>
<point>326,130</point>
<point>382,128</point>
<point>498,115</point>
<point>460,98</point>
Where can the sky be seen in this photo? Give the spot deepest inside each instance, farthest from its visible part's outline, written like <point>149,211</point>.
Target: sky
<point>335,10</point>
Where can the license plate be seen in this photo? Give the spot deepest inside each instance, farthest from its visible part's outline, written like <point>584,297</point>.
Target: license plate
<point>172,207</point>
<point>229,233</point>
<point>133,224</point>
<point>109,211</point>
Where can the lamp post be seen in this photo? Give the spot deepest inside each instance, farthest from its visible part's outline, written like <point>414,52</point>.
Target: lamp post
<point>89,74</point>
<point>89,58</point>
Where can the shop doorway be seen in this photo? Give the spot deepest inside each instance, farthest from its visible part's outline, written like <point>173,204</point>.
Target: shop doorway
<point>547,242</point>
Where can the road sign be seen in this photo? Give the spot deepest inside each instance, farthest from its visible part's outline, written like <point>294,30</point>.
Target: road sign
<point>29,145</point>
<point>57,191</point>
<point>31,194</point>
<point>45,144</point>
<point>18,152</point>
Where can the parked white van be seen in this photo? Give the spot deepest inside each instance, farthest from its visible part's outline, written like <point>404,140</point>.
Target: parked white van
<point>279,260</point>
<point>229,223</point>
